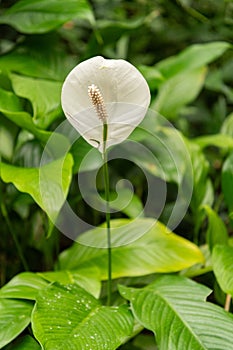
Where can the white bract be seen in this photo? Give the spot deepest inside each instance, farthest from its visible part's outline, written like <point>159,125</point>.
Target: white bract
<point>99,91</point>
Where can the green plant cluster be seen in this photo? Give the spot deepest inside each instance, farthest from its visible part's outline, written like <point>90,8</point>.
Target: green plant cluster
<point>169,288</point>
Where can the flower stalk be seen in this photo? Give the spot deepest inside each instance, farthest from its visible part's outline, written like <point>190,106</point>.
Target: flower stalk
<point>100,108</point>
<point>106,184</point>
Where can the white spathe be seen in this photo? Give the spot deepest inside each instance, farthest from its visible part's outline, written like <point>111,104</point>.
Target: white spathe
<point>125,93</point>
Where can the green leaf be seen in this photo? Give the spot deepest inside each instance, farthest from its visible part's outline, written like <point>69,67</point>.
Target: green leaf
<point>70,318</point>
<point>23,286</point>
<point>44,96</point>
<point>41,16</point>
<point>144,342</point>
<point>88,279</point>
<point>178,91</point>
<point>227,181</point>
<point>26,285</point>
<point>202,186</point>
<point>86,158</point>
<point>8,132</point>
<point>218,140</point>
<point>227,126</point>
<point>165,154</point>
<point>47,63</point>
<point>15,316</point>
<point>215,82</point>
<point>126,202</point>
<point>152,75</point>
<point>174,308</point>
<point>11,107</point>
<point>112,31</point>
<point>24,343</point>
<point>200,269</point>
<point>217,232</point>
<point>222,258</point>
<point>193,57</point>
<point>48,185</point>
<point>153,248</point>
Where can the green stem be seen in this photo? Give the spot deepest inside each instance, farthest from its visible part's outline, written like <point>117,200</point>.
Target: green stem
<point>106,183</point>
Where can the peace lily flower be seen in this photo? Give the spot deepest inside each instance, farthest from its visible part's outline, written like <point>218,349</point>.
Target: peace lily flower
<point>100,92</point>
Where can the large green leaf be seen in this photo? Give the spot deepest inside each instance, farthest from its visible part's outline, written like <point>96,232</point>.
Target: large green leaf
<point>23,286</point>
<point>227,181</point>
<point>40,16</point>
<point>222,259</point>
<point>44,96</point>
<point>26,285</point>
<point>11,107</point>
<point>48,185</point>
<point>174,308</point>
<point>157,249</point>
<point>69,318</point>
<point>15,316</point>
<point>193,57</point>
<point>178,91</point>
